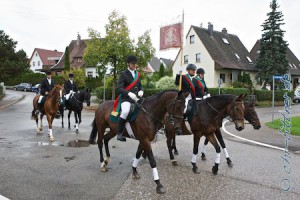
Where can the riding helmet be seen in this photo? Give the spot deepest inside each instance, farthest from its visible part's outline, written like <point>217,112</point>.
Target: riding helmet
<point>71,75</point>
<point>48,73</point>
<point>200,71</point>
<point>131,59</point>
<point>191,67</point>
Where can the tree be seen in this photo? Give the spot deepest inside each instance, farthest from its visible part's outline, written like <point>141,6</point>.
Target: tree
<point>272,57</point>
<point>116,46</point>
<point>79,76</point>
<point>67,59</point>
<point>12,63</point>
<point>161,70</point>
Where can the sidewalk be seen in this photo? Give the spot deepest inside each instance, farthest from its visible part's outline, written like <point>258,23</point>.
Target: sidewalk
<point>10,98</point>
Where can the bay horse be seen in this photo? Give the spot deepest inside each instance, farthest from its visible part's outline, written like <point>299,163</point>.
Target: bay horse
<point>249,114</point>
<point>208,117</point>
<point>144,128</point>
<point>49,108</point>
<point>75,104</point>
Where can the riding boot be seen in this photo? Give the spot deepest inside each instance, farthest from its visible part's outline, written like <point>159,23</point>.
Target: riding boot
<point>39,106</point>
<point>66,104</point>
<point>121,126</point>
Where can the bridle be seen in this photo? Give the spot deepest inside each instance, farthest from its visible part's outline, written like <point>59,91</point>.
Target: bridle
<point>251,119</point>
<point>81,102</point>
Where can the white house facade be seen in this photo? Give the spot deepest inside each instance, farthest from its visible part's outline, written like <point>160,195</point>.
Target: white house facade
<point>36,63</point>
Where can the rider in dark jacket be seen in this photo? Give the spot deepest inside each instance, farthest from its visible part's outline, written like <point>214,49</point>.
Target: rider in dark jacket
<point>70,87</point>
<point>46,86</point>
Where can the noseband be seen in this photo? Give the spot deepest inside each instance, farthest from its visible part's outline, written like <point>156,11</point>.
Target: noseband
<point>252,120</point>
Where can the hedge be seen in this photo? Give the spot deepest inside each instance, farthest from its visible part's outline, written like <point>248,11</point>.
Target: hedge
<point>266,95</point>
<point>33,78</point>
<point>1,92</point>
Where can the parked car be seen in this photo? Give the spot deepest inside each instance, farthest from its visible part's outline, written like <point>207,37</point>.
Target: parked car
<point>296,99</point>
<point>297,95</point>
<point>23,87</point>
<point>36,88</point>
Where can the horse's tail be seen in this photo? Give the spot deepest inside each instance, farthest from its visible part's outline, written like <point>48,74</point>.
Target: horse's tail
<point>93,133</point>
<point>33,115</point>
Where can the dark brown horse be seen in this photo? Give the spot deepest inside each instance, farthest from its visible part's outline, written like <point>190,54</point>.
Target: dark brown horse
<point>249,114</point>
<point>148,121</point>
<point>49,108</point>
<point>208,117</point>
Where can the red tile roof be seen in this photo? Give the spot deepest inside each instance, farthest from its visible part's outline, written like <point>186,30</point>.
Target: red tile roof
<point>46,54</point>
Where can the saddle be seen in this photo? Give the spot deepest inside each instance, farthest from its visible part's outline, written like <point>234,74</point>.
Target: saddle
<point>134,110</point>
<point>191,110</point>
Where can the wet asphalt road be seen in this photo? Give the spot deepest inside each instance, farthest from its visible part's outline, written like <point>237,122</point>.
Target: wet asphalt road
<point>31,170</point>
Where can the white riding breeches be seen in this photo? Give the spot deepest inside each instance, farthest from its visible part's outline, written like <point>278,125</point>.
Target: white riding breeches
<point>68,95</point>
<point>125,109</point>
<point>187,101</point>
<point>40,99</point>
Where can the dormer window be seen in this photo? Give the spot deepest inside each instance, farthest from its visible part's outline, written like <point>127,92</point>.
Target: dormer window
<point>291,66</point>
<point>192,39</point>
<point>294,66</point>
<point>249,59</point>
<point>225,40</point>
<point>237,56</point>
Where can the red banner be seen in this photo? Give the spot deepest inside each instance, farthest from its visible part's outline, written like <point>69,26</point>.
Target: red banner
<point>170,36</point>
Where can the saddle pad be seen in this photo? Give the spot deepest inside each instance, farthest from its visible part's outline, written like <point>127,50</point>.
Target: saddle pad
<point>131,117</point>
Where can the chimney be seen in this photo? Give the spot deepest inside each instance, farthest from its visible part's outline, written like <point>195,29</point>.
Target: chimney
<point>78,39</point>
<point>224,30</point>
<point>210,28</point>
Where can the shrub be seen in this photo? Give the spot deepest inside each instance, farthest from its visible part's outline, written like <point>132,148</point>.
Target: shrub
<point>235,91</point>
<point>166,83</point>
<point>266,95</point>
<point>93,83</point>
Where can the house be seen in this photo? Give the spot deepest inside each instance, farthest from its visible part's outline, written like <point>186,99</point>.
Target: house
<point>222,55</point>
<point>42,60</point>
<point>76,50</point>
<point>293,67</point>
<point>154,64</point>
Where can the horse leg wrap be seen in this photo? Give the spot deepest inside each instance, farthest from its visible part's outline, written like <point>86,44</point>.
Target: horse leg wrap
<point>155,174</point>
<point>135,162</point>
<point>194,158</point>
<point>218,158</point>
<point>226,153</point>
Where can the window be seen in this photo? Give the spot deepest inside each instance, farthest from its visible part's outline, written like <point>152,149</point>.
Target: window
<point>79,60</point>
<point>237,56</point>
<point>35,54</point>
<point>249,59</point>
<point>294,66</point>
<point>198,57</point>
<point>192,39</point>
<point>33,64</point>
<point>258,52</point>
<point>38,63</point>
<point>186,59</point>
<point>222,76</point>
<point>291,66</point>
<point>90,74</point>
<point>225,40</point>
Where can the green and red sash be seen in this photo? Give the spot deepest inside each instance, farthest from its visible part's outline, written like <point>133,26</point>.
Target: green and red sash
<point>117,103</point>
<point>190,82</point>
<point>200,83</point>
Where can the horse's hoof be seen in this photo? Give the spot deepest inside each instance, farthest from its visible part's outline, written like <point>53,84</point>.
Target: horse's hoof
<point>214,170</point>
<point>51,139</point>
<point>174,163</point>
<point>203,157</point>
<point>195,170</point>
<point>103,169</point>
<point>135,175</point>
<point>176,152</point>
<point>77,131</point>
<point>160,189</point>
<point>229,163</point>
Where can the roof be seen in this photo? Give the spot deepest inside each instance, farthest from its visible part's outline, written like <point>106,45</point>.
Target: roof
<point>155,63</point>
<point>48,57</point>
<point>224,54</point>
<point>169,63</point>
<point>76,54</point>
<point>294,63</point>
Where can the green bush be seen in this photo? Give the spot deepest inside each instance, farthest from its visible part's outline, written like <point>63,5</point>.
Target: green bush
<point>93,83</point>
<point>166,83</point>
<point>266,95</point>
<point>235,91</point>
<point>1,92</point>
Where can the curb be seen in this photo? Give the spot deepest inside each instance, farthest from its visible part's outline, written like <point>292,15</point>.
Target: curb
<point>11,103</point>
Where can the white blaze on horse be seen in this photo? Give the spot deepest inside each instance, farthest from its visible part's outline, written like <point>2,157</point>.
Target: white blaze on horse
<point>49,108</point>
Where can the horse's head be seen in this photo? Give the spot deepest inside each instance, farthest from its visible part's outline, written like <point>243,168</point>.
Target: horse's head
<point>251,115</point>
<point>236,112</point>
<point>87,96</point>
<point>175,108</point>
<point>56,92</point>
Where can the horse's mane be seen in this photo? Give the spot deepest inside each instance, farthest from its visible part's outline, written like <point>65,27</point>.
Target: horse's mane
<point>158,95</point>
<point>222,97</point>
<point>51,93</point>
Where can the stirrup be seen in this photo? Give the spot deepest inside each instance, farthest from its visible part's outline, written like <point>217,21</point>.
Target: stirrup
<point>121,138</point>
<point>37,112</point>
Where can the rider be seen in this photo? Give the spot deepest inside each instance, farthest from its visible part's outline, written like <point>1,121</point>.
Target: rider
<point>129,86</point>
<point>188,84</point>
<point>46,86</point>
<point>70,88</point>
<point>201,82</point>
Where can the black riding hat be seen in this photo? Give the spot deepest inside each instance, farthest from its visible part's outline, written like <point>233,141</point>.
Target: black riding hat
<point>48,73</point>
<point>191,67</point>
<point>71,75</point>
<point>200,71</point>
<point>131,59</point>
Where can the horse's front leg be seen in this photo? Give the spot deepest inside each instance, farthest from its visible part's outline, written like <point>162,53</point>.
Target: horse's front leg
<point>41,122</point>
<point>79,116</point>
<point>76,121</point>
<point>170,134</point>
<point>222,143</point>
<point>212,138</point>
<point>174,145</point>
<point>69,114</point>
<point>197,137</point>
<point>203,149</point>
<point>148,150</point>
<point>62,115</point>
<point>50,119</point>
<point>135,174</point>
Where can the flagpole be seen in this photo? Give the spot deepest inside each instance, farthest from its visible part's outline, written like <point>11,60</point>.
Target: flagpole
<point>181,50</point>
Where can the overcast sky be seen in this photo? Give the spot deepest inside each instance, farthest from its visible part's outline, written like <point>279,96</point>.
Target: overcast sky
<point>52,24</point>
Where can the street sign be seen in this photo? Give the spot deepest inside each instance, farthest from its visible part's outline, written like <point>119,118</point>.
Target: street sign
<point>278,77</point>
<point>220,81</point>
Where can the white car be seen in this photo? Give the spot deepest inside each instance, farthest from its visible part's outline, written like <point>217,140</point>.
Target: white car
<point>297,95</point>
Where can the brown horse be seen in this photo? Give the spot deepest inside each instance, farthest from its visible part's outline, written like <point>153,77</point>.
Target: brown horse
<point>148,121</point>
<point>208,117</point>
<point>249,114</point>
<point>49,108</point>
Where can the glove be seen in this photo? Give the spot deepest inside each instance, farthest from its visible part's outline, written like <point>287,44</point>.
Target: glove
<point>71,91</point>
<point>46,93</point>
<point>140,93</point>
<point>180,69</point>
<point>198,99</point>
<point>205,96</point>
<point>208,95</point>
<point>133,96</point>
